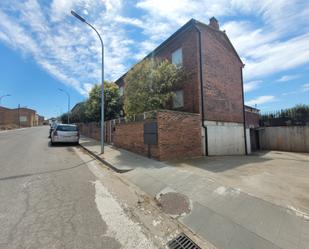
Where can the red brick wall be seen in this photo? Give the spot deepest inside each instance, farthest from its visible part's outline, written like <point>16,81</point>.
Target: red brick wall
<point>179,135</point>
<point>222,78</point>
<point>91,130</point>
<point>10,117</point>
<point>130,136</point>
<point>188,41</point>
<point>252,119</point>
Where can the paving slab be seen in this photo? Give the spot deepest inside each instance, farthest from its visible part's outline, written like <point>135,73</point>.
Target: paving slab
<point>225,216</point>
<point>118,159</point>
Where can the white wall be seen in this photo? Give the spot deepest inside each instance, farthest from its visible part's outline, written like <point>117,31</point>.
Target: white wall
<point>225,138</point>
<point>286,138</point>
<point>248,141</point>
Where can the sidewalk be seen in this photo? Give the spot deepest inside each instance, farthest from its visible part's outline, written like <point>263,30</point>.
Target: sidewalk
<point>224,216</point>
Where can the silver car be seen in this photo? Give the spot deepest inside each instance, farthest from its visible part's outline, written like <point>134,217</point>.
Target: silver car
<point>65,133</point>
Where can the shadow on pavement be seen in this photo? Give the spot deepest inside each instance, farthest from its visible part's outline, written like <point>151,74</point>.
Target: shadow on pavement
<point>61,144</point>
<point>219,163</point>
<point>46,172</point>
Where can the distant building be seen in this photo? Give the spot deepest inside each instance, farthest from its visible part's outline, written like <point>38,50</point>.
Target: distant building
<point>18,117</point>
<point>41,120</point>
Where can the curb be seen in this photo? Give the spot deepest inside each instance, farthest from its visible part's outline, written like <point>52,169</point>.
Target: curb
<point>105,162</point>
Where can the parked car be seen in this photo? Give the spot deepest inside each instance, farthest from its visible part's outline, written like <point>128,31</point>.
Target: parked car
<point>65,133</point>
<point>52,127</point>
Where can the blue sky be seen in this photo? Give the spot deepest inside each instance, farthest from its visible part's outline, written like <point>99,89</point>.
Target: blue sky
<point>43,48</point>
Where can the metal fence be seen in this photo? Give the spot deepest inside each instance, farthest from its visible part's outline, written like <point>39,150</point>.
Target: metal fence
<point>285,121</point>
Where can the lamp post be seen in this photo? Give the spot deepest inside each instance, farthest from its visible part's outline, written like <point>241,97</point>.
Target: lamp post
<point>102,87</point>
<point>68,102</point>
<point>6,95</point>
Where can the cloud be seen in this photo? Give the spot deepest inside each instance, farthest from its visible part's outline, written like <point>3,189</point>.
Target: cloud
<point>265,49</point>
<point>305,87</point>
<point>260,100</point>
<point>274,39</point>
<point>252,85</point>
<point>131,21</point>
<point>55,42</point>
<point>285,78</point>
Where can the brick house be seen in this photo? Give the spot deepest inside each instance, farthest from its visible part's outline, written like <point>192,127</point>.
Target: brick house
<point>23,117</point>
<point>214,88</point>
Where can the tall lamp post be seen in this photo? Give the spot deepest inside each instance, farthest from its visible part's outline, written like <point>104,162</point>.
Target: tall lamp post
<point>102,88</point>
<point>6,95</point>
<point>68,102</point>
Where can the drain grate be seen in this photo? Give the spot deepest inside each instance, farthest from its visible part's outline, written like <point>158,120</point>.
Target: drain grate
<point>182,241</point>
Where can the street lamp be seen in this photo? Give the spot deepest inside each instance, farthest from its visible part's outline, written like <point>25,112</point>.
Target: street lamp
<point>102,87</point>
<point>6,95</point>
<point>68,102</point>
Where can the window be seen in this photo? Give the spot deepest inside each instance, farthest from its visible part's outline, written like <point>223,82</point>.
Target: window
<point>23,118</point>
<point>66,128</point>
<point>178,99</point>
<point>121,90</point>
<point>177,57</point>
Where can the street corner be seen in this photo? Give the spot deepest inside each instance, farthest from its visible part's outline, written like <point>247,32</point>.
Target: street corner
<point>173,203</point>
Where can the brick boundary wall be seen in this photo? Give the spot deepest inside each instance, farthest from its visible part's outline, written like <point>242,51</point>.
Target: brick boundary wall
<point>91,130</point>
<point>179,135</point>
<point>130,136</point>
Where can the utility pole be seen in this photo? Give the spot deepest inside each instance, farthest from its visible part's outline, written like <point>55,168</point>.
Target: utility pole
<point>68,95</point>
<point>102,87</point>
<point>19,115</point>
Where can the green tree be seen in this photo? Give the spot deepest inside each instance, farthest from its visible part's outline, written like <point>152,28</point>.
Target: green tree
<point>112,102</point>
<point>150,84</point>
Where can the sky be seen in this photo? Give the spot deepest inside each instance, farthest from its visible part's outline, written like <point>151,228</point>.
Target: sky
<point>44,48</point>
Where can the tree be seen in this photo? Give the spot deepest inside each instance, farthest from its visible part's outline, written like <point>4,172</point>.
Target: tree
<point>150,85</point>
<point>112,102</point>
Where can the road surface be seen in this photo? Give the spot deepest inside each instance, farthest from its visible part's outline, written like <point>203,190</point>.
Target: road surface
<point>49,198</point>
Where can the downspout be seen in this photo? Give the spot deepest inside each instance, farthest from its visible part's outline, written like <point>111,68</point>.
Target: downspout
<point>202,87</point>
<point>243,109</point>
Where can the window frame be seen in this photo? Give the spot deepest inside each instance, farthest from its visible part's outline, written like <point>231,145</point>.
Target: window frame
<point>181,54</point>
<point>182,102</point>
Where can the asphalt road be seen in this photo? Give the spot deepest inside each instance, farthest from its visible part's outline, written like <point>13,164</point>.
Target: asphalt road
<point>47,197</point>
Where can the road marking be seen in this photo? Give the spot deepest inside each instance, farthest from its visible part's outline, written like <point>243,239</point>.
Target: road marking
<point>120,226</point>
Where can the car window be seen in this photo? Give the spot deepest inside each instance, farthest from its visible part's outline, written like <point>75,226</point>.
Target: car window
<point>66,128</point>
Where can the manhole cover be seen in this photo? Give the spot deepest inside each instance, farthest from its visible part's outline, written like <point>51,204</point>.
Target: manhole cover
<point>174,204</point>
<point>182,241</point>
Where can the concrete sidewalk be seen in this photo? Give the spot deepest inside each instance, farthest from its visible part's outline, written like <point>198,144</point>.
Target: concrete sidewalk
<point>118,159</point>
<point>223,216</point>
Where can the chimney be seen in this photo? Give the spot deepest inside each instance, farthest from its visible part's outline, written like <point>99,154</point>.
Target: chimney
<point>213,22</point>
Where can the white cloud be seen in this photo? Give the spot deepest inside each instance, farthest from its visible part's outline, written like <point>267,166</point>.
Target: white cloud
<point>131,21</point>
<point>305,87</point>
<point>260,100</point>
<point>252,85</point>
<point>285,78</point>
<point>277,56</point>
<point>265,49</point>
<point>59,47</point>
<point>71,52</point>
